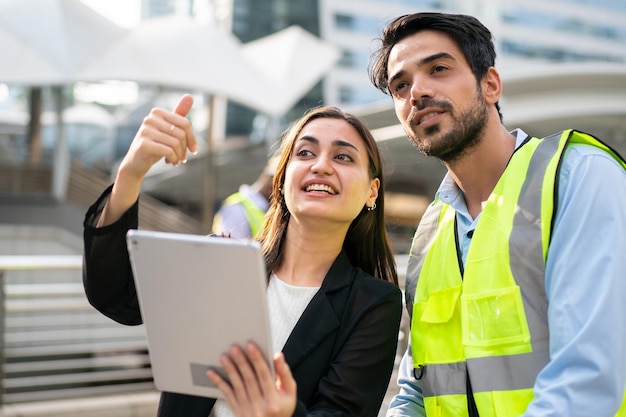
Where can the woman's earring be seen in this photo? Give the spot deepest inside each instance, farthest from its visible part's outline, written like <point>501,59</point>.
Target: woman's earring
<point>372,207</point>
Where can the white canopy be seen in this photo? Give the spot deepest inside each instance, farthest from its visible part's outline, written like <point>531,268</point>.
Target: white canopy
<point>269,75</point>
<point>54,42</point>
<point>185,53</point>
<point>44,41</point>
<point>293,61</point>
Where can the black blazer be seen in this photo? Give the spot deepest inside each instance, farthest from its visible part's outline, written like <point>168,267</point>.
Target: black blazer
<point>341,352</point>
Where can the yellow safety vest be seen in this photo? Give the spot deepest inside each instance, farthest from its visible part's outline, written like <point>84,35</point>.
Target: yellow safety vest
<point>254,215</point>
<point>489,321</point>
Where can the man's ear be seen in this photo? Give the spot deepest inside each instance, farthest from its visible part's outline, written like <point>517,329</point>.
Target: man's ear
<point>492,86</point>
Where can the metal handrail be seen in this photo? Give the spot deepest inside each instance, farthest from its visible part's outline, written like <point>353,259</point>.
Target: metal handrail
<point>39,262</point>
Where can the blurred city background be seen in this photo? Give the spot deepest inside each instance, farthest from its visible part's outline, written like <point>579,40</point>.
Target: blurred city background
<point>78,76</point>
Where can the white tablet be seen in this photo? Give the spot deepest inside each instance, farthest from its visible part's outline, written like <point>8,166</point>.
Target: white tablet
<point>198,296</point>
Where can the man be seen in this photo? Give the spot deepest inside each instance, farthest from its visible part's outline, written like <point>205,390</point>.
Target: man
<point>516,278</point>
<point>242,213</point>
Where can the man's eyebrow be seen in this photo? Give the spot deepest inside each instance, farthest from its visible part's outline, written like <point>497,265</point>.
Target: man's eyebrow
<point>422,62</point>
<point>335,143</point>
<point>434,57</point>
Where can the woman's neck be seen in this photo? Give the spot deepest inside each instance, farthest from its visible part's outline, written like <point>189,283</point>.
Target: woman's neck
<point>308,254</point>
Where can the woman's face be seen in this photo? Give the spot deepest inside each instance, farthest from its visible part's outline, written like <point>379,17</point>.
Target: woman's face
<point>327,177</point>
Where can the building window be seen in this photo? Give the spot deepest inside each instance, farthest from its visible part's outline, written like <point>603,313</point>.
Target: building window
<point>360,24</point>
<point>345,94</point>
<point>564,24</point>
<point>553,54</point>
<point>347,59</point>
<point>356,95</point>
<point>343,21</point>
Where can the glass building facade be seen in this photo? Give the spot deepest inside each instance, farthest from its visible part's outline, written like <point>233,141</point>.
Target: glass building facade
<point>254,19</point>
<point>568,31</point>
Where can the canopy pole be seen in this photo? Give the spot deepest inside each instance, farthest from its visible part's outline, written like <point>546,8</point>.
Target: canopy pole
<point>34,125</point>
<point>208,171</point>
<point>62,159</point>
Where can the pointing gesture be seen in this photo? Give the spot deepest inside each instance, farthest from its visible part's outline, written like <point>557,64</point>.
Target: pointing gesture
<point>162,134</point>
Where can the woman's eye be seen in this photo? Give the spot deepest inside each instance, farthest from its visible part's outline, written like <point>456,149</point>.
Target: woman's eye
<point>345,157</point>
<point>304,153</point>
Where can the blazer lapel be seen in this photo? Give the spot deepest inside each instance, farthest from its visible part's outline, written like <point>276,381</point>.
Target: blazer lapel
<point>323,314</point>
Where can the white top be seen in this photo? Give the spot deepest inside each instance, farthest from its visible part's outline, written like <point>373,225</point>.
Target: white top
<point>286,303</point>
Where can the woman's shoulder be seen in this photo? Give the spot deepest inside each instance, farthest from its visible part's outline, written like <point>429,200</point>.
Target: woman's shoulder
<point>375,286</point>
<point>370,295</point>
<point>345,276</point>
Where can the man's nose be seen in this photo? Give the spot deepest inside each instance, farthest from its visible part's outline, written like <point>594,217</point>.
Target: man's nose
<point>419,91</point>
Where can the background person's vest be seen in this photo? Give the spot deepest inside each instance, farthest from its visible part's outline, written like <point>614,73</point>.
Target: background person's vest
<point>472,319</point>
<point>254,215</point>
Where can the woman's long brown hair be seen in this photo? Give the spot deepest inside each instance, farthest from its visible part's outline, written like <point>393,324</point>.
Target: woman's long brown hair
<point>366,244</point>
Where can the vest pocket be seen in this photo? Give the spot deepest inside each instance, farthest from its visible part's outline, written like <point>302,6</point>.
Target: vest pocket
<point>494,318</point>
<point>436,328</point>
<point>440,305</point>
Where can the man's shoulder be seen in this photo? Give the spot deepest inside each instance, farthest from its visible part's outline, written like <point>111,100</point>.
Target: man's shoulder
<point>595,156</point>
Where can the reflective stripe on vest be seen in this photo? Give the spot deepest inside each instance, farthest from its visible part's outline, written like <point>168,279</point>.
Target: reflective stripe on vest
<point>254,215</point>
<point>480,323</point>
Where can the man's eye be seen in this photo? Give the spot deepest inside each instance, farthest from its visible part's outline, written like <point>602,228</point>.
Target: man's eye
<point>400,86</point>
<point>439,68</point>
<point>398,90</point>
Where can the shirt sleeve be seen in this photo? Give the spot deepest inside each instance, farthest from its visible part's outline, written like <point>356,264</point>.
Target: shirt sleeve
<point>107,275</point>
<point>409,401</point>
<point>585,286</point>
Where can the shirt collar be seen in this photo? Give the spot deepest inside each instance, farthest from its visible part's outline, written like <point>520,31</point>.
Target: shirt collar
<point>450,193</point>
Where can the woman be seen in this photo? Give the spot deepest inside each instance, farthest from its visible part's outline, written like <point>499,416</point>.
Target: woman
<point>334,303</point>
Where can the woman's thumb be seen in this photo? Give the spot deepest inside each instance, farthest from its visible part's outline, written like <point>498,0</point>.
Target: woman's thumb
<point>184,105</point>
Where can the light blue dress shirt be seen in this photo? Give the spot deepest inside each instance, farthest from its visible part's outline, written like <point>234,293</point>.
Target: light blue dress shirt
<point>585,286</point>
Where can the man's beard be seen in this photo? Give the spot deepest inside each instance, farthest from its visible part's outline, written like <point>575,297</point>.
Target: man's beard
<point>466,133</point>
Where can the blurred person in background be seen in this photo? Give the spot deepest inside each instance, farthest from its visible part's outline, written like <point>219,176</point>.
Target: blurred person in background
<point>242,213</point>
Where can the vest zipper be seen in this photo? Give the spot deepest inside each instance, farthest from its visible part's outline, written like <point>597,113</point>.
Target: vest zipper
<point>472,410</point>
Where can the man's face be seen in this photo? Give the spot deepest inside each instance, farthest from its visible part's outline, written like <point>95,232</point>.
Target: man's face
<point>436,96</point>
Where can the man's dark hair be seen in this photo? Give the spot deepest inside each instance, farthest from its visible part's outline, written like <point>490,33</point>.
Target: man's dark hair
<point>472,37</point>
